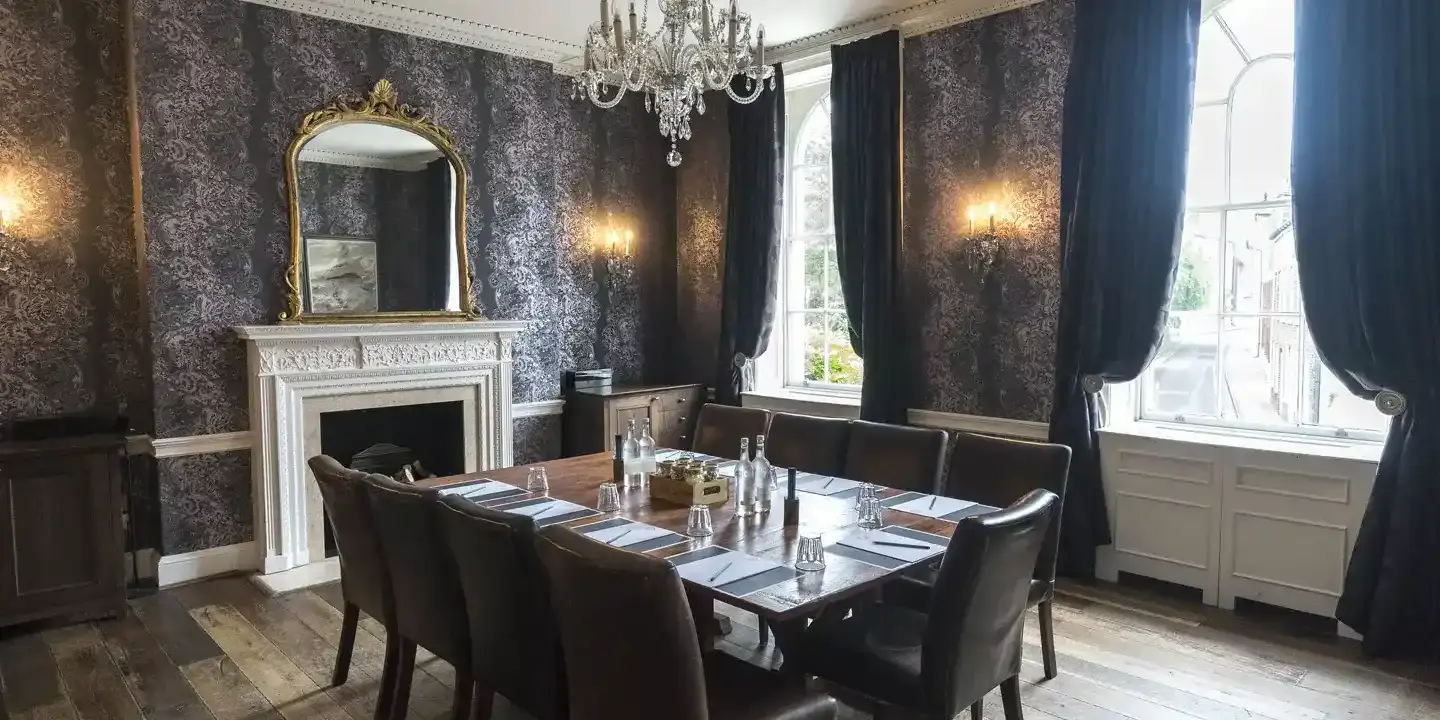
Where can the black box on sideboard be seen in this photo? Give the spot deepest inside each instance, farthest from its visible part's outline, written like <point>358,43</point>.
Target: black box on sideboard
<point>586,379</point>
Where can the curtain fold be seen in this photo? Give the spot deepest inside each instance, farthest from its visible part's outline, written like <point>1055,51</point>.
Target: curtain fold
<point>439,242</point>
<point>1366,175</point>
<point>751,278</point>
<point>1124,144</point>
<point>865,124</point>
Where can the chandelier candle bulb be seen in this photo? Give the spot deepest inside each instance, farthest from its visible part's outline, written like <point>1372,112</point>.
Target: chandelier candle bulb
<point>705,20</point>
<point>634,24</point>
<point>619,37</point>
<point>605,18</point>
<point>760,46</point>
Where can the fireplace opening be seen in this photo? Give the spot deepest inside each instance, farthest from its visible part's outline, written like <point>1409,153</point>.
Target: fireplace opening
<point>425,436</point>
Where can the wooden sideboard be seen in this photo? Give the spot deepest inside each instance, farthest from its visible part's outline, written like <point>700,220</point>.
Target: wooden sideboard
<point>594,416</point>
<point>61,534</point>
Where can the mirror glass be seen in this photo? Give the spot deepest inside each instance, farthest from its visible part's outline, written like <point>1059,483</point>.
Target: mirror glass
<point>377,207</point>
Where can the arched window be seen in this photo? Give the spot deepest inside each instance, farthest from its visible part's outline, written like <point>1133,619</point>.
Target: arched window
<point>1238,351</point>
<point>815,336</point>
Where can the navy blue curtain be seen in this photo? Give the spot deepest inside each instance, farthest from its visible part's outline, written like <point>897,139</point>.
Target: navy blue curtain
<point>1122,189</point>
<point>1366,173</point>
<point>865,127</point>
<point>749,290</point>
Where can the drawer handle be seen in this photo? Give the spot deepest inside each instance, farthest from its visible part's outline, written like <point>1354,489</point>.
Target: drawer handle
<point>654,398</point>
<point>683,418</point>
<point>680,401</point>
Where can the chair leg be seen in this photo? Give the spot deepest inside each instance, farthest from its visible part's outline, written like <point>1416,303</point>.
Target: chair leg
<point>460,707</point>
<point>764,632</point>
<point>1010,696</point>
<point>404,676</point>
<point>1047,639</point>
<point>977,711</point>
<point>484,703</point>
<point>386,697</point>
<point>347,644</point>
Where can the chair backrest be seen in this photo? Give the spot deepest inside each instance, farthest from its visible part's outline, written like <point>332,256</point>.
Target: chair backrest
<point>622,616</point>
<point>904,458</point>
<point>515,650</point>
<point>429,603</point>
<point>808,443</point>
<point>720,427</point>
<point>998,471</point>
<point>977,611</point>
<point>363,575</point>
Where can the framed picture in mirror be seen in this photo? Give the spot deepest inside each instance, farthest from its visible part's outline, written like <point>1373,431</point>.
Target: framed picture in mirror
<point>342,275</point>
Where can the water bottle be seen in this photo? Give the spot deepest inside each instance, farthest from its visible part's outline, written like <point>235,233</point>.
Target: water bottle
<point>646,447</point>
<point>765,480</point>
<point>746,487</point>
<point>630,453</point>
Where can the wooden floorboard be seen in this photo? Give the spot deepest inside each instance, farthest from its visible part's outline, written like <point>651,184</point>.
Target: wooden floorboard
<point>221,650</point>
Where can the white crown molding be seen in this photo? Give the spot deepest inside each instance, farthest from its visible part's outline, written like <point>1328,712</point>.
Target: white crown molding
<point>389,16</point>
<point>202,444</point>
<point>1004,427</point>
<point>538,408</point>
<point>331,157</point>
<point>917,19</point>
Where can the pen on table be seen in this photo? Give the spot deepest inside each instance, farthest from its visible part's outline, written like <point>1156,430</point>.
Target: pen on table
<point>933,498</point>
<point>611,541</point>
<point>827,483</point>
<point>900,544</point>
<point>722,571</point>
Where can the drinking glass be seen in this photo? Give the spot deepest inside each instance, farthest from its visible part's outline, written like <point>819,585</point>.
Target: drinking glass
<point>536,481</point>
<point>609,498</point>
<point>865,491</point>
<point>871,517</point>
<point>811,555</point>
<point>697,523</point>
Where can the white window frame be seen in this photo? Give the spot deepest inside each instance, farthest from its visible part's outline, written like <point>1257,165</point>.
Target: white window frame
<point>1134,395</point>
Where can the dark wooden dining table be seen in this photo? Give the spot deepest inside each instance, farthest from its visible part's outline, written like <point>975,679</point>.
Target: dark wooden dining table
<point>786,604</point>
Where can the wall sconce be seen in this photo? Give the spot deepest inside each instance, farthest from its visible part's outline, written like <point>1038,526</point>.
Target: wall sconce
<point>10,208</point>
<point>982,247</point>
<point>615,250</point>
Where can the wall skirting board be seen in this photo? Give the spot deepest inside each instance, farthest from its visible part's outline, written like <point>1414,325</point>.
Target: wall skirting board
<point>191,566</point>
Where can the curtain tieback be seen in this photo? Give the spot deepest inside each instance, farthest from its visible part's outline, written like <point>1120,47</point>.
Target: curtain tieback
<point>1092,383</point>
<point>1389,402</point>
<point>740,360</point>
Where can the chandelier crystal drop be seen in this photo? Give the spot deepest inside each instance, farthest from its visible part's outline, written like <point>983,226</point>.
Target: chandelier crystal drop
<point>697,48</point>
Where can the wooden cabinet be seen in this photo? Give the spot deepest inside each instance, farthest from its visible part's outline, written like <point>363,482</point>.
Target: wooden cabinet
<point>61,540</point>
<point>593,417</point>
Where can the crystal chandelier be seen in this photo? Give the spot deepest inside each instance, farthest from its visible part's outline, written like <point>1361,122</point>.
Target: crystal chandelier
<point>673,73</point>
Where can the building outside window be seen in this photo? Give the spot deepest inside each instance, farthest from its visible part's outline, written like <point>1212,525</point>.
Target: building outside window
<point>1237,352</point>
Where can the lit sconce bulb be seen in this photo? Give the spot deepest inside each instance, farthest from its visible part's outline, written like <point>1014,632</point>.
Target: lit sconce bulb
<point>992,216</point>
<point>9,210</point>
<point>970,212</point>
<point>629,236</point>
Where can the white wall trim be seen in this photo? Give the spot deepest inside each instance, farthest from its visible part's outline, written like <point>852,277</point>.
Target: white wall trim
<point>803,403</point>
<point>1026,429</point>
<point>191,566</point>
<point>917,19</point>
<point>202,444</point>
<point>538,408</point>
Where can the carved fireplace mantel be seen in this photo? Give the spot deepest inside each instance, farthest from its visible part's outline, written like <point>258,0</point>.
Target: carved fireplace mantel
<point>297,372</point>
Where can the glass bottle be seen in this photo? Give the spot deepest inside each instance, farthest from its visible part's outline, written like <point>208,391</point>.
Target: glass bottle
<point>765,480</point>
<point>745,482</point>
<point>630,453</point>
<point>646,448</point>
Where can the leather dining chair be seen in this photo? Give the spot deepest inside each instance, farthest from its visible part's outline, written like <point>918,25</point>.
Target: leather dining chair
<point>896,456</point>
<point>719,428</point>
<point>808,443</point>
<point>515,650</point>
<point>998,471</point>
<point>429,602</point>
<point>937,663</point>
<point>364,580</point>
<point>624,617</point>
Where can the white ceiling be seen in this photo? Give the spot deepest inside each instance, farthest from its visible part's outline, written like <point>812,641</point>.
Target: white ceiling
<point>554,30</point>
<point>366,144</point>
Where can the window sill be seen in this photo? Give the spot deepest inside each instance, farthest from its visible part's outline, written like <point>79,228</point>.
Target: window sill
<point>805,402</point>
<point>1318,447</point>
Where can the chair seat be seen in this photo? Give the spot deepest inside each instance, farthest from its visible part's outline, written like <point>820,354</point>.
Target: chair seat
<point>737,690</point>
<point>912,590</point>
<point>875,651</point>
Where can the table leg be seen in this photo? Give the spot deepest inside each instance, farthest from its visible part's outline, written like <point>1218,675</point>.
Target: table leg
<point>708,623</point>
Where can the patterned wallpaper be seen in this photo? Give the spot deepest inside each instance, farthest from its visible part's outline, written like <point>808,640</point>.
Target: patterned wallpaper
<point>982,121</point>
<point>223,85</point>
<point>72,335</point>
<point>702,191</point>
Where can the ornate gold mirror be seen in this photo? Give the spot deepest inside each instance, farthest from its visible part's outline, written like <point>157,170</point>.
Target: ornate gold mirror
<point>377,216</point>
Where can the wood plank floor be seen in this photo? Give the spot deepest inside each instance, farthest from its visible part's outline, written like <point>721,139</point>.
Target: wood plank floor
<point>222,650</point>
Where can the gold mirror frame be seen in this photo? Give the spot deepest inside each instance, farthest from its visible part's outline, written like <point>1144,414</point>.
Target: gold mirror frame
<point>380,106</point>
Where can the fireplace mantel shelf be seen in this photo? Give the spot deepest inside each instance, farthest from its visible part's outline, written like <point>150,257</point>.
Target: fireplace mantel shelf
<point>261,333</point>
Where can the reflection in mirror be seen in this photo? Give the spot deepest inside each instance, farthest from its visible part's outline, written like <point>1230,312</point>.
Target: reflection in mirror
<point>377,217</point>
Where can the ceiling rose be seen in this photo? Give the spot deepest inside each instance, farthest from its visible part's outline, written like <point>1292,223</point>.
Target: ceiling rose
<point>696,48</point>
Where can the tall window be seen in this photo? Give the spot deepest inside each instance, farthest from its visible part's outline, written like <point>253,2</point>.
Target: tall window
<point>816,337</point>
<point>1238,351</point>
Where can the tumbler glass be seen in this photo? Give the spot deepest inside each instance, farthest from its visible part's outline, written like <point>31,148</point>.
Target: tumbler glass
<point>536,481</point>
<point>698,523</point>
<point>609,498</point>
<point>811,555</point>
<point>871,515</point>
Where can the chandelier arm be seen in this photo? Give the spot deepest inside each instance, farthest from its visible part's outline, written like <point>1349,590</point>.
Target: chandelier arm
<point>607,104</point>
<point>746,99</point>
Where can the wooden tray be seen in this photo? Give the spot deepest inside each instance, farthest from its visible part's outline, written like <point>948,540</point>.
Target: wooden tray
<point>678,492</point>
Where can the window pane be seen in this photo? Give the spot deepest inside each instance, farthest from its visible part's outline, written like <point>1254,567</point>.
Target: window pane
<point>1197,286</point>
<point>1328,402</point>
<point>1260,357</point>
<point>815,256</point>
<point>1263,27</point>
<point>1220,63</point>
<point>1259,273</point>
<point>835,297</point>
<point>795,348</point>
<point>795,275</point>
<point>1205,184</point>
<point>815,347</point>
<point>1181,380</point>
<point>1260,128</point>
<point>845,366</point>
<point>815,138</point>
<point>812,208</point>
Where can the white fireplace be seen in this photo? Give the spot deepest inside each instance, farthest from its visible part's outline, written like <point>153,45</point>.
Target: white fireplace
<point>298,372</point>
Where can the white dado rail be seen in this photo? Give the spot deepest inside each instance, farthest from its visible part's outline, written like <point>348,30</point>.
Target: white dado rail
<point>297,372</point>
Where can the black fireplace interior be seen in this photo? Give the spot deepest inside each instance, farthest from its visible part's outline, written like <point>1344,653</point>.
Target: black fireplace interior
<point>434,433</point>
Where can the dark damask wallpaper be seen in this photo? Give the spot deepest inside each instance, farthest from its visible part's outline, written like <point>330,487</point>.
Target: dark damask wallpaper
<point>72,335</point>
<point>702,189</point>
<point>982,121</point>
<point>223,85</point>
